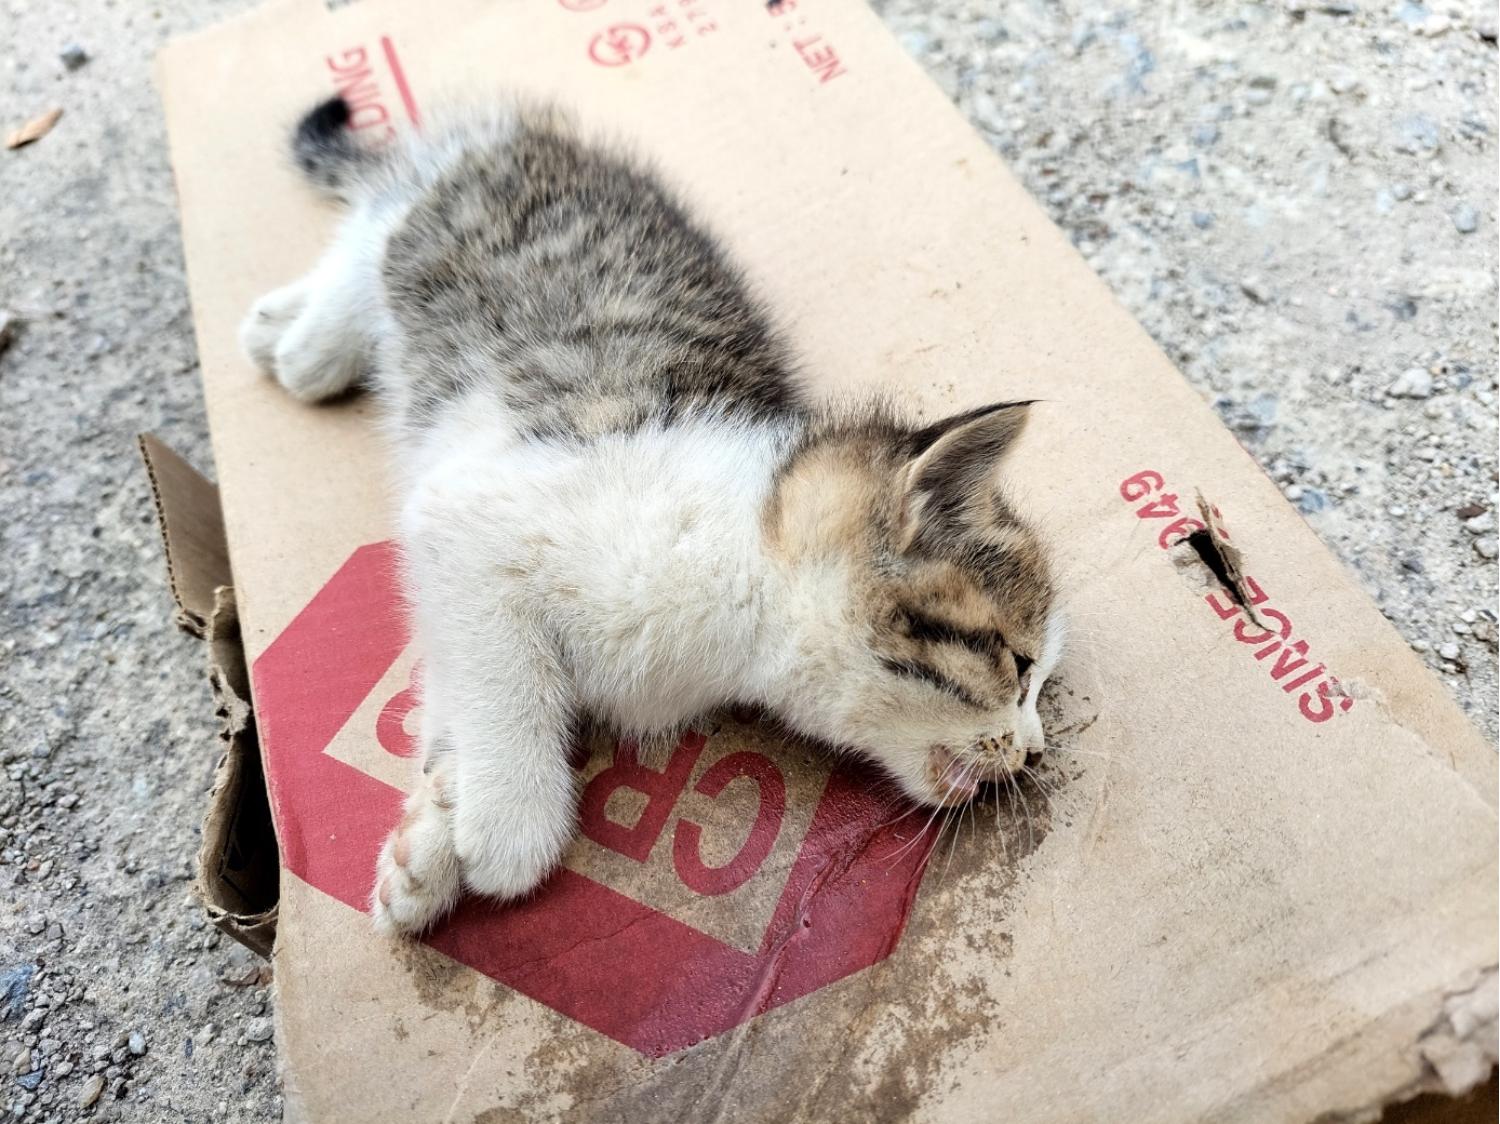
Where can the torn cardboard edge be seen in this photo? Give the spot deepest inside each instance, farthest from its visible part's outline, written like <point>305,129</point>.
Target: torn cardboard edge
<point>192,533</point>
<point>238,882</point>
<point>1480,1105</point>
<point>1459,1082</point>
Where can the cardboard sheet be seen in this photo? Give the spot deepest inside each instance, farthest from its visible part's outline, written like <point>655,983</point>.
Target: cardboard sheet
<point>1260,883</point>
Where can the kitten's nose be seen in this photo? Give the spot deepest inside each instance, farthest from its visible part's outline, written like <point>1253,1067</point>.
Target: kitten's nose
<point>1004,753</point>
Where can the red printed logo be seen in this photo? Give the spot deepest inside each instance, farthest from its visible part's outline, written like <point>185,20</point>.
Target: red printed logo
<point>1322,696</point>
<point>708,885</point>
<point>357,77</point>
<point>620,44</point>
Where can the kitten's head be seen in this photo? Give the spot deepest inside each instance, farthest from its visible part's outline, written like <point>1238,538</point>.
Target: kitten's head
<point>923,615</point>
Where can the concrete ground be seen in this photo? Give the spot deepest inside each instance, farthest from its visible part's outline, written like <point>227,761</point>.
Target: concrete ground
<point>1298,199</point>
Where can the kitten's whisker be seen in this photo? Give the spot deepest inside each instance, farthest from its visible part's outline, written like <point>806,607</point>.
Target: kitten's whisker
<point>1041,785</point>
<point>937,810</point>
<point>898,819</point>
<point>969,774</point>
<point>937,837</point>
<point>1025,810</point>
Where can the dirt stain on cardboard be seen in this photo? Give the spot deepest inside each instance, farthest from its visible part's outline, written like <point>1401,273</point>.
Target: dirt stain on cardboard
<point>438,981</point>
<point>874,1046</point>
<point>899,1023</point>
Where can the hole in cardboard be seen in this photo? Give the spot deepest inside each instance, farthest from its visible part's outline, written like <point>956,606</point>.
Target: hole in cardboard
<point>1207,553</point>
<point>1203,545</point>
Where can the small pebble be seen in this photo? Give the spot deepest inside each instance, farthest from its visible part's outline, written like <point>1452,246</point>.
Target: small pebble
<point>258,1030</point>
<point>22,1064</point>
<point>1312,500</point>
<point>1448,651</point>
<point>73,56</point>
<point>137,1043</point>
<point>1261,88</point>
<point>93,1088</point>
<point>1486,548</point>
<point>1480,524</point>
<point>1465,219</point>
<point>1414,382</point>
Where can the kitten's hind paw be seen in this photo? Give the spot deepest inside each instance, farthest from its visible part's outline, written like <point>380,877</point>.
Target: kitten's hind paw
<point>268,320</point>
<point>306,341</point>
<point>417,875</point>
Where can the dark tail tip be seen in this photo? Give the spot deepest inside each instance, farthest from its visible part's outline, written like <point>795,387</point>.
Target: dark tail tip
<point>328,117</point>
<point>321,127</point>
<point>323,148</point>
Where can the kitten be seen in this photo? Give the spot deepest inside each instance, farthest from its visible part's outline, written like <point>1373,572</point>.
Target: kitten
<point>619,501</point>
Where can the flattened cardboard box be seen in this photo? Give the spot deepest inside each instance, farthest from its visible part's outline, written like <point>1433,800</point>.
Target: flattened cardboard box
<point>1262,881</point>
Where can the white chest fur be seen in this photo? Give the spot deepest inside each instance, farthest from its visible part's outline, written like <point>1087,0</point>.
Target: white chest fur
<point>639,554</point>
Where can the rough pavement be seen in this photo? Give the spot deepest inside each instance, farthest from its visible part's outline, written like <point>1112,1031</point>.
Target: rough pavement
<point>1297,199</point>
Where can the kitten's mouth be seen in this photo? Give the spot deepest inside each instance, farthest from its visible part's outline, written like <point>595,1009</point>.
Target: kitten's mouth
<point>953,782</point>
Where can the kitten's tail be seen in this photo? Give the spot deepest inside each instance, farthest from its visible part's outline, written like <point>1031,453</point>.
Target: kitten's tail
<point>326,151</point>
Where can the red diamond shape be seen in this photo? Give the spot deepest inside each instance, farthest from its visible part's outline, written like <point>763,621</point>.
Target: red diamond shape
<point>582,948</point>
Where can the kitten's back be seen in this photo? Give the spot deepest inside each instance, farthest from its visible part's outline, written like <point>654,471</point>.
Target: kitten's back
<point>560,277</point>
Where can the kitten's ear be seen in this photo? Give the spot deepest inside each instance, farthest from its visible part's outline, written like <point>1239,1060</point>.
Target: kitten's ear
<point>953,461</point>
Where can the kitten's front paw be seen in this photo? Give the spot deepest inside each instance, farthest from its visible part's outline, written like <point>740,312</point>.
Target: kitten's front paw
<point>508,854</point>
<point>417,877</point>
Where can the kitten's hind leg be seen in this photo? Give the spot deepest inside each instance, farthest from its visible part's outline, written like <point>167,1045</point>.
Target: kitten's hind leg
<point>316,335</point>
<point>325,350</point>
<point>417,877</point>
<point>268,321</point>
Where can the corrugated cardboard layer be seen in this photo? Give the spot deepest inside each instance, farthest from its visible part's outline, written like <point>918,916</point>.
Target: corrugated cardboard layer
<point>237,860</point>
<point>1224,909</point>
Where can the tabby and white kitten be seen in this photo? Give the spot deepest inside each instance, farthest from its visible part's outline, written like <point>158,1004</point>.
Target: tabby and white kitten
<point>618,501</point>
